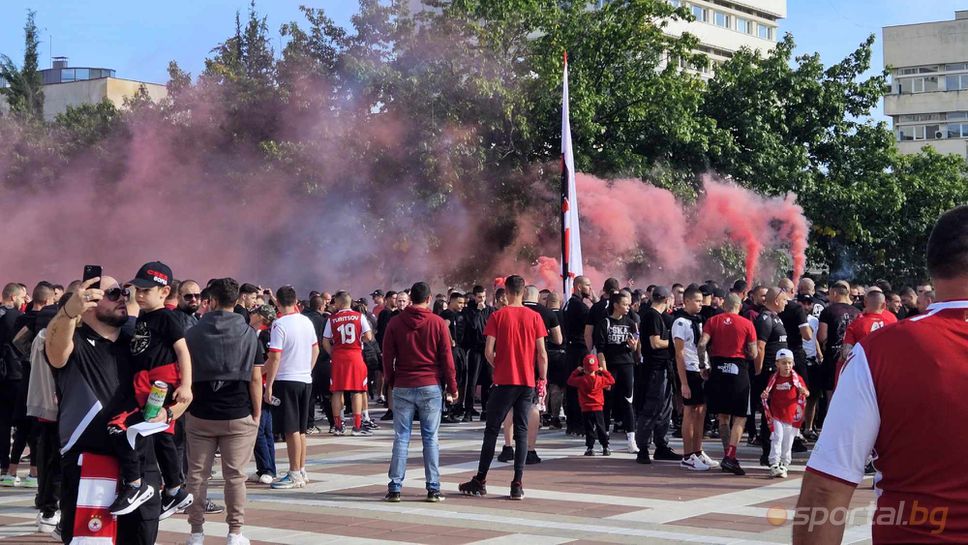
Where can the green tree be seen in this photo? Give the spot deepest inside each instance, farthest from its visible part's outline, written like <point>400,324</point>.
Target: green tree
<point>24,92</point>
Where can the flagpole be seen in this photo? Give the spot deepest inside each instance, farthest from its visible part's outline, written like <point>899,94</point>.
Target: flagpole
<point>565,277</point>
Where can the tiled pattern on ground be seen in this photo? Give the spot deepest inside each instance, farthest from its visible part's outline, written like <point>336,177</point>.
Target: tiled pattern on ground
<point>570,499</point>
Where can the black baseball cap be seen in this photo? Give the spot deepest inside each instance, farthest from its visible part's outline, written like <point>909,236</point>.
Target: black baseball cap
<point>377,293</point>
<point>719,292</point>
<point>153,274</point>
<point>804,298</point>
<point>705,290</point>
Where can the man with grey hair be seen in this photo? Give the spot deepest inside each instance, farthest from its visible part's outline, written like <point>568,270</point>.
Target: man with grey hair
<point>730,341</point>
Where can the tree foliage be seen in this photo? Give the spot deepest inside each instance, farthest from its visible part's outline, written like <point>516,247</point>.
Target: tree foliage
<point>458,106</point>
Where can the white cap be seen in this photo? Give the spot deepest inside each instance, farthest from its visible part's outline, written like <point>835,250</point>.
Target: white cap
<point>784,353</point>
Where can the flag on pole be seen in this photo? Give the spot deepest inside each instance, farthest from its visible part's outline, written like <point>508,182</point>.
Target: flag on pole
<point>571,262</point>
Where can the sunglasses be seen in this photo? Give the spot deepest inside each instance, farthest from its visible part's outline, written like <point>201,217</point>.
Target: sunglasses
<point>191,296</point>
<point>117,293</point>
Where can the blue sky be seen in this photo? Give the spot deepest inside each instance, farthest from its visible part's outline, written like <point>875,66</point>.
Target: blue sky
<point>139,38</point>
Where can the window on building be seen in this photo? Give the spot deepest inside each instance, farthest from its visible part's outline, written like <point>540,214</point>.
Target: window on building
<point>905,133</point>
<point>957,130</point>
<point>914,118</point>
<point>955,116</point>
<point>744,25</point>
<point>676,3</point>
<point>921,132</point>
<point>956,83</point>
<point>701,14</point>
<point>922,85</point>
<point>958,67</point>
<point>721,19</point>
<point>764,32</point>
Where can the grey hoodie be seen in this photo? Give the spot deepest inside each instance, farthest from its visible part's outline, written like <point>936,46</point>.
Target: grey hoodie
<point>223,347</point>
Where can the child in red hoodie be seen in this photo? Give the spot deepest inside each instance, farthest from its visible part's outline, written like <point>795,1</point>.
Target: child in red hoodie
<point>591,383</point>
<point>784,400</point>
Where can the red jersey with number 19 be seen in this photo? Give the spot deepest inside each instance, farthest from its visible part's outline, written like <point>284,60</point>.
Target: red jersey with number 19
<point>345,330</point>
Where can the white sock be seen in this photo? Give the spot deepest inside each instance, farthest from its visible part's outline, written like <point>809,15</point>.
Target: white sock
<point>366,415</point>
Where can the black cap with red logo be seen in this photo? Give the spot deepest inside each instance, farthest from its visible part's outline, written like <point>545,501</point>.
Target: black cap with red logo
<point>153,274</point>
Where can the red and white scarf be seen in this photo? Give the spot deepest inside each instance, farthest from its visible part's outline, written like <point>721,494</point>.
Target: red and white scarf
<point>93,522</point>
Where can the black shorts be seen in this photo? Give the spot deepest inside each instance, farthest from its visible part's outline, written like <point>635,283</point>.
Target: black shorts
<point>815,381</point>
<point>828,372</point>
<point>697,397</point>
<point>728,387</point>
<point>558,368</point>
<point>294,408</point>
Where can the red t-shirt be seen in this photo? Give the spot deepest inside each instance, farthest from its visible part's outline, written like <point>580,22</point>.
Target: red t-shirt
<point>865,324</point>
<point>729,334</point>
<point>783,399</point>
<point>516,331</point>
<point>896,379</point>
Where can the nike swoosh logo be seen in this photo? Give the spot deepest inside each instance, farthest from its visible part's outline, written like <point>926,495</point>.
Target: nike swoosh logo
<point>92,342</point>
<point>628,399</point>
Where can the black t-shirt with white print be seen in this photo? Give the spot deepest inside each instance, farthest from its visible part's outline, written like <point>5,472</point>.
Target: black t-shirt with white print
<point>611,337</point>
<point>155,335</point>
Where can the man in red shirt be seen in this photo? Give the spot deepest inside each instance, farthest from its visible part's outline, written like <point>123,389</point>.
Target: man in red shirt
<point>514,338</point>
<point>343,338</point>
<point>875,316</point>
<point>730,339</point>
<point>418,364</point>
<point>897,378</point>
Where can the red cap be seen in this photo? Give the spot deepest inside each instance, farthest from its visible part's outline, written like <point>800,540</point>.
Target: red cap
<point>590,363</point>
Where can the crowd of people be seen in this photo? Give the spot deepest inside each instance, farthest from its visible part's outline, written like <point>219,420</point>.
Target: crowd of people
<point>232,368</point>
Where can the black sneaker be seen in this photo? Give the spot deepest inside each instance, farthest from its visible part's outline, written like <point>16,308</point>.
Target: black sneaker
<point>392,497</point>
<point>483,416</point>
<point>731,465</point>
<point>370,425</point>
<point>131,498</point>
<point>764,460</point>
<point>606,452</point>
<point>532,458</point>
<point>798,445</point>
<point>589,451</point>
<point>753,441</point>
<point>434,496</point>
<point>387,416</point>
<point>450,419</point>
<point>507,454</point>
<point>212,508</point>
<point>666,454</point>
<point>174,502</point>
<point>517,491</point>
<point>643,457</point>
<point>467,418</point>
<point>473,487</point>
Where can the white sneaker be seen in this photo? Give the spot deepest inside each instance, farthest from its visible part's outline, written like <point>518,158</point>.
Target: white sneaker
<point>236,539</point>
<point>776,471</point>
<point>265,478</point>
<point>304,475</point>
<point>707,460</point>
<point>46,525</point>
<point>10,480</point>
<point>783,472</point>
<point>632,447</point>
<point>693,463</point>
<point>196,539</point>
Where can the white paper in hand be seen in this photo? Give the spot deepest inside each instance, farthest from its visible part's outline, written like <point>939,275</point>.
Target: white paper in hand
<point>144,429</point>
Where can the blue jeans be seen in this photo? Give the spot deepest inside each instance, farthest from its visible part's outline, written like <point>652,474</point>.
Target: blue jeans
<point>265,448</point>
<point>426,400</point>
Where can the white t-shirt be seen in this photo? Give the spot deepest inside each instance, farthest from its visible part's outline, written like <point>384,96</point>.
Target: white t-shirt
<point>682,329</point>
<point>293,335</point>
<point>810,347</point>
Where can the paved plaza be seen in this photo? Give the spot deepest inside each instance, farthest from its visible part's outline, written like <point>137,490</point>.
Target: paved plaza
<point>570,499</point>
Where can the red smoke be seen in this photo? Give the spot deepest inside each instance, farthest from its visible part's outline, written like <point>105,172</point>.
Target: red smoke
<point>622,218</point>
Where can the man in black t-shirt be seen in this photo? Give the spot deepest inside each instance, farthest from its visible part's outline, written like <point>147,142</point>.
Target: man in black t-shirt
<point>476,315</point>
<point>655,384</point>
<point>771,336</point>
<point>833,326</point>
<point>320,388</point>
<point>453,316</point>
<point>599,310</point>
<point>13,299</point>
<point>92,364</point>
<point>575,314</point>
<point>226,409</point>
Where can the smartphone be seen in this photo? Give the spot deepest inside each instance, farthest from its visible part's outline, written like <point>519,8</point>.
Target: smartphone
<point>92,271</point>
